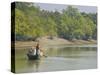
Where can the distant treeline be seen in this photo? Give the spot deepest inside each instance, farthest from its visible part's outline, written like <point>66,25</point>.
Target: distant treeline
<point>31,22</point>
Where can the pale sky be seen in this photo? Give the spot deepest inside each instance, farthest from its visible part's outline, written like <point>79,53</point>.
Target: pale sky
<point>59,7</point>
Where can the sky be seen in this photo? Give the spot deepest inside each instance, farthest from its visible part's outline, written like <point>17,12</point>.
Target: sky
<point>59,7</point>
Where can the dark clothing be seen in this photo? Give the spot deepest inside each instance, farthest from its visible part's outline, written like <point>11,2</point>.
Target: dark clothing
<point>37,50</point>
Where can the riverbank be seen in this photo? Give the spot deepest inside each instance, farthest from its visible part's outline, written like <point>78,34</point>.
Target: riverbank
<point>52,42</point>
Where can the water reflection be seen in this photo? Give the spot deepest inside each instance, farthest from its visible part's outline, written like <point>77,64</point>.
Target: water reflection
<point>59,58</point>
<point>33,64</point>
<point>70,51</point>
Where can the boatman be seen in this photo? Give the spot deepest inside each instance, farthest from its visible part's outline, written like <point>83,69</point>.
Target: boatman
<point>38,50</point>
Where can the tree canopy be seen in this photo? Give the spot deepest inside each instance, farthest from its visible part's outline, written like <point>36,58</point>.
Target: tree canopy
<point>31,22</point>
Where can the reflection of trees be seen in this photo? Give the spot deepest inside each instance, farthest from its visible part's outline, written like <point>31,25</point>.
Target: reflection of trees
<point>69,51</point>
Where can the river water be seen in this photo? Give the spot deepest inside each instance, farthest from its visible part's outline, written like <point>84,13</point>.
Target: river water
<point>61,58</point>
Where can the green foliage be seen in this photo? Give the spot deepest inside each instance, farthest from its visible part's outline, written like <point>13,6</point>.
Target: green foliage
<point>31,22</point>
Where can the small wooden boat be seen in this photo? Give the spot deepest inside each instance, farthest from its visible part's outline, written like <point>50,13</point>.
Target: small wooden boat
<point>33,57</point>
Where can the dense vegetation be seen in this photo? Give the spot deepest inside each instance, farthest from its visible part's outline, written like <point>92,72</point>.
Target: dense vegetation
<point>31,22</point>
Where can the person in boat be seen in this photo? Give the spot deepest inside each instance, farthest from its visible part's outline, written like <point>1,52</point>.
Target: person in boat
<point>31,51</point>
<point>38,51</point>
